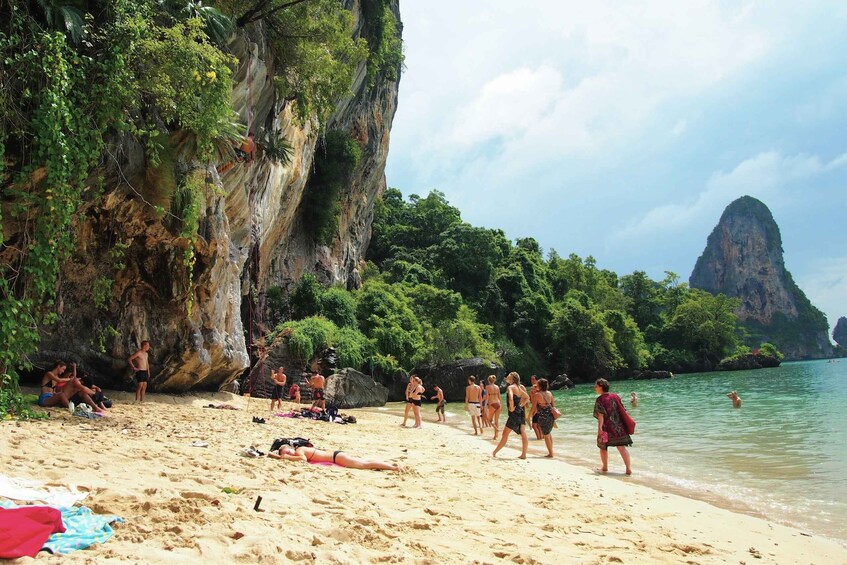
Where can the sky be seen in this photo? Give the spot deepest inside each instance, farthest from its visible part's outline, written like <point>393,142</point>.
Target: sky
<point>622,129</point>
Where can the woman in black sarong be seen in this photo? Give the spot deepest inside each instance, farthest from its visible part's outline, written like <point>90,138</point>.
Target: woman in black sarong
<point>517,398</point>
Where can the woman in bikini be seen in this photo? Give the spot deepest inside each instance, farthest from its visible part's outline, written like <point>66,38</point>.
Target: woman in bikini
<point>494,406</point>
<point>517,398</point>
<point>544,410</point>
<point>314,455</point>
<point>415,399</point>
<point>408,394</point>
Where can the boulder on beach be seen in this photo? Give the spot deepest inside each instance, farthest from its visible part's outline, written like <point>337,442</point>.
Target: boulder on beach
<point>453,377</point>
<point>351,389</point>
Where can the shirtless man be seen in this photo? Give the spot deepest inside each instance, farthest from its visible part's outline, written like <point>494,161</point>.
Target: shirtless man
<point>317,382</point>
<point>472,403</point>
<point>439,410</point>
<point>736,400</point>
<point>533,398</point>
<point>141,365</point>
<point>279,380</point>
<point>57,389</point>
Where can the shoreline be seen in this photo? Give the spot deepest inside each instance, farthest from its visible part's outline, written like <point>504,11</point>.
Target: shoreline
<point>454,504</point>
<point>460,422</point>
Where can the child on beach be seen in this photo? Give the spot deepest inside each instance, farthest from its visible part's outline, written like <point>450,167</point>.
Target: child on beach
<point>439,409</point>
<point>493,404</point>
<point>294,393</point>
<point>141,366</point>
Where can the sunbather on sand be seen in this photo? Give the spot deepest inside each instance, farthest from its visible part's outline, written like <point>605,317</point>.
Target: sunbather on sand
<point>314,455</point>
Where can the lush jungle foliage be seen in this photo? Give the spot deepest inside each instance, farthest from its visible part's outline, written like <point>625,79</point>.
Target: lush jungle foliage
<point>78,76</point>
<point>438,288</point>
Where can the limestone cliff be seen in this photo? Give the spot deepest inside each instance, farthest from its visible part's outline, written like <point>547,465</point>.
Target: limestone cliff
<point>744,258</point>
<point>128,280</point>
<point>839,334</point>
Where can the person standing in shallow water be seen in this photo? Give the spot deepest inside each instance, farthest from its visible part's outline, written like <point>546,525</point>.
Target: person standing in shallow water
<point>610,427</point>
<point>517,399</point>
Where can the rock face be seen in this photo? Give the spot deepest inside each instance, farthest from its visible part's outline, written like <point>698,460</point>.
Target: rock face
<point>839,334</point>
<point>129,281</point>
<point>351,389</point>
<point>747,362</point>
<point>453,377</point>
<point>744,258</point>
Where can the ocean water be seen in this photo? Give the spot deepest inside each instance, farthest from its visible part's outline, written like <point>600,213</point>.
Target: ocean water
<point>782,455</point>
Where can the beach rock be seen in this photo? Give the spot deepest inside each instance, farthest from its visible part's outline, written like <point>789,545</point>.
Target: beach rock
<point>251,235</point>
<point>744,258</point>
<point>651,375</point>
<point>747,362</point>
<point>839,333</point>
<point>396,383</point>
<point>561,382</point>
<point>351,389</point>
<point>453,377</point>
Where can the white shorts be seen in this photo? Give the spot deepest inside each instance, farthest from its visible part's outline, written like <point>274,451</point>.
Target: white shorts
<point>473,409</point>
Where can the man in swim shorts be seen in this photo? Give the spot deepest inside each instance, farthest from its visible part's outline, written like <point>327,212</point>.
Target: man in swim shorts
<point>439,410</point>
<point>141,365</point>
<point>472,403</point>
<point>318,382</point>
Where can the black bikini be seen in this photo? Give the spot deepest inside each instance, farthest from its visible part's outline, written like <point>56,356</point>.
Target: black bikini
<point>315,450</point>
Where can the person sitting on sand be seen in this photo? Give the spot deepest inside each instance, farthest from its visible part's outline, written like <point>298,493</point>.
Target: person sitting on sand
<point>317,382</point>
<point>494,404</point>
<point>517,399</point>
<point>57,389</point>
<point>96,394</point>
<point>736,400</point>
<point>439,409</point>
<point>610,427</point>
<point>633,399</point>
<point>314,455</point>
<point>279,380</point>
<point>472,403</point>
<point>294,393</point>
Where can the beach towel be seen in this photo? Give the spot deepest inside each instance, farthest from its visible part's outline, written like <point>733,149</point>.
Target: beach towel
<point>23,531</point>
<point>24,490</point>
<point>82,529</point>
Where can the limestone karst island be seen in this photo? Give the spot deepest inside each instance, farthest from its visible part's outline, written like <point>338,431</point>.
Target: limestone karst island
<point>290,280</point>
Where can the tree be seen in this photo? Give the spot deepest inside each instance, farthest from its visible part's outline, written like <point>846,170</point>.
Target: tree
<point>581,340</point>
<point>305,298</point>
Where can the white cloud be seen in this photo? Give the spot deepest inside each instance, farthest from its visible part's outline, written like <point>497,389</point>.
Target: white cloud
<point>760,176</point>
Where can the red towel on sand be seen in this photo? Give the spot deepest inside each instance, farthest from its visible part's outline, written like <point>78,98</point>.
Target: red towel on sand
<point>24,530</point>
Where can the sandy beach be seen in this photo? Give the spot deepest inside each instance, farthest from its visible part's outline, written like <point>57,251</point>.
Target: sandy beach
<point>455,504</point>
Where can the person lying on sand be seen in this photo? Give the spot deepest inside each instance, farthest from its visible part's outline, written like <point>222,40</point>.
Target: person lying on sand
<point>314,455</point>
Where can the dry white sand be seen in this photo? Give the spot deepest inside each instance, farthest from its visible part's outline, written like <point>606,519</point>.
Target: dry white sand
<point>455,504</point>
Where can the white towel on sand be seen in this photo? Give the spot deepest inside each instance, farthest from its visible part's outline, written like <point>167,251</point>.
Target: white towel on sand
<point>26,490</point>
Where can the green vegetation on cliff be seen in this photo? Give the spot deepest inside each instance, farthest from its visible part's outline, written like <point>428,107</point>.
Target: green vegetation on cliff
<point>82,79</point>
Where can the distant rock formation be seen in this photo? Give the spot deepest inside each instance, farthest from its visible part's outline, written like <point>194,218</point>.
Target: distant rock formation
<point>744,258</point>
<point>839,334</point>
<point>452,378</point>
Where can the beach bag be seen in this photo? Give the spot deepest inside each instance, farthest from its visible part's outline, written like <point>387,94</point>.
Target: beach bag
<point>628,422</point>
<point>556,413</point>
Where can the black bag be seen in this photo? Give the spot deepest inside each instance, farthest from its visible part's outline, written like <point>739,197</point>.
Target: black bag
<point>294,442</point>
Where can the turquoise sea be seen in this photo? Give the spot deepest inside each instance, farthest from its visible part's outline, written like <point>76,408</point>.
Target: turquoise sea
<point>782,455</point>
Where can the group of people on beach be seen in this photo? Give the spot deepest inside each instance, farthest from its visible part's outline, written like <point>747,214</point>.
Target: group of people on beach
<point>315,382</point>
<point>535,408</point>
